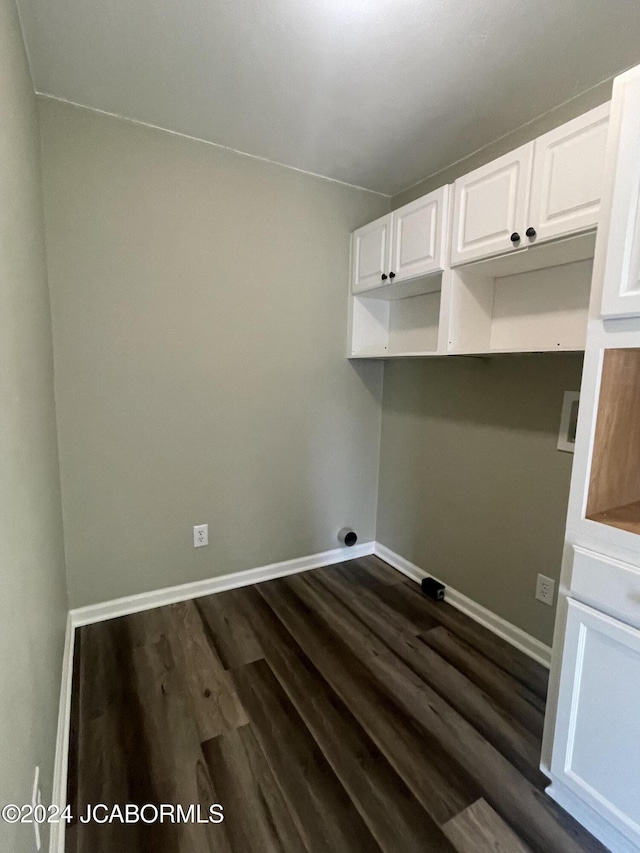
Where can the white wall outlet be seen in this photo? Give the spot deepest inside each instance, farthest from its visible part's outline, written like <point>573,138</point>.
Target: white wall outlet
<point>36,800</point>
<point>545,589</point>
<point>200,535</point>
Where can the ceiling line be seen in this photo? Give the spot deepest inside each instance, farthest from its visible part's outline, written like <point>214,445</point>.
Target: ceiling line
<point>208,142</point>
<point>510,132</point>
<point>26,47</point>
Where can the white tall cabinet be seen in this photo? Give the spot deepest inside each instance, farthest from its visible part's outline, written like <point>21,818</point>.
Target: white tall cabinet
<point>621,292</point>
<point>592,730</point>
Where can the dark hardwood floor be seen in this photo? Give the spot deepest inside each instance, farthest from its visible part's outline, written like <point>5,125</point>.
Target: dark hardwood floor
<point>336,710</point>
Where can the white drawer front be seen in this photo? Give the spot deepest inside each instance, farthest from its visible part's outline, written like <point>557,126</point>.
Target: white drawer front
<point>607,584</point>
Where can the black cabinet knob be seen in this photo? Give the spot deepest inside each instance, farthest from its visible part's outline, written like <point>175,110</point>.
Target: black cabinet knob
<point>384,276</point>
<point>392,275</point>
<point>515,237</point>
<point>530,232</point>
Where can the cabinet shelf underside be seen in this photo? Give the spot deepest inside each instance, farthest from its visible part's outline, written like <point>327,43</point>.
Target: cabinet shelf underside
<point>470,354</point>
<point>626,517</point>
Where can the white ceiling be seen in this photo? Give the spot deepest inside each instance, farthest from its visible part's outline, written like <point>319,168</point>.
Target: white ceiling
<point>377,93</point>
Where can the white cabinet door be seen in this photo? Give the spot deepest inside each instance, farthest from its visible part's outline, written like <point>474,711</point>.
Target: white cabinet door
<point>596,751</point>
<point>370,254</point>
<point>417,233</point>
<point>490,205</point>
<point>566,186</point>
<point>621,287</point>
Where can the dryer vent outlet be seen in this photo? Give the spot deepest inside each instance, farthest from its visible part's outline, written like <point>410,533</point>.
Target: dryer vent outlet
<point>347,537</point>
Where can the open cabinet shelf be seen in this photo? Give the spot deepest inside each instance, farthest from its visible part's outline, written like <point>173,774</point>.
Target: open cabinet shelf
<point>614,482</point>
<point>534,301</point>
<point>397,322</point>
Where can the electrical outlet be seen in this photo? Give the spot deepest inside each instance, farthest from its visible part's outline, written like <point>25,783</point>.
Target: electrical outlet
<point>200,535</point>
<point>36,800</point>
<point>545,589</point>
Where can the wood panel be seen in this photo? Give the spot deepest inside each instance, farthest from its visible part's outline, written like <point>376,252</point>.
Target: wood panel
<point>336,710</point>
<point>214,702</point>
<point>393,815</point>
<point>377,568</point>
<point>480,828</point>
<point>436,780</point>
<point>110,732</point>
<point>513,739</point>
<point>321,809</point>
<point>176,763</point>
<point>497,650</point>
<point>517,700</point>
<point>371,600</point>
<point>615,469</point>
<point>228,628</point>
<point>490,770</point>
<point>256,815</point>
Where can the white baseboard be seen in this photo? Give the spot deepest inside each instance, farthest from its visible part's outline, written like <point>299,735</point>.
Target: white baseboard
<point>516,636</point>
<point>183,592</point>
<point>612,839</point>
<point>160,597</point>
<point>59,784</point>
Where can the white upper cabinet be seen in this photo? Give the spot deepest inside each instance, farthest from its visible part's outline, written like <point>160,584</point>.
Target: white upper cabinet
<point>490,207</point>
<point>403,245</point>
<point>460,270</point>
<point>370,254</point>
<point>396,280</point>
<point>547,189</point>
<point>621,287</point>
<point>566,185</point>
<point>417,236</point>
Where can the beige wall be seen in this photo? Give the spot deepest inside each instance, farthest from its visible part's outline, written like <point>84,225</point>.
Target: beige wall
<point>32,600</point>
<point>199,316</point>
<point>201,373</point>
<point>472,487</point>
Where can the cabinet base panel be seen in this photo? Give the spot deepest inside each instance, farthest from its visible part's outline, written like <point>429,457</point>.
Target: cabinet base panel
<point>591,820</point>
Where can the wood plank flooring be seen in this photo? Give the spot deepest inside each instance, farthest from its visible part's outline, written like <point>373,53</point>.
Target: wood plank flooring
<point>335,710</point>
